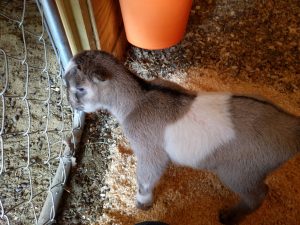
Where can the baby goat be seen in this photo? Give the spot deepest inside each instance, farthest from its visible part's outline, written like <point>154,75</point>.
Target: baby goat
<point>239,138</point>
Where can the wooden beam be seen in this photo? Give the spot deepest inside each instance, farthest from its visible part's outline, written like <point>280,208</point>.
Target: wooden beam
<point>88,20</point>
<point>76,19</point>
<point>67,17</point>
<point>93,24</point>
<point>110,27</point>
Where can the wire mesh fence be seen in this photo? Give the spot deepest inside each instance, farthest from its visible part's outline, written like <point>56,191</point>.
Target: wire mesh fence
<point>35,119</point>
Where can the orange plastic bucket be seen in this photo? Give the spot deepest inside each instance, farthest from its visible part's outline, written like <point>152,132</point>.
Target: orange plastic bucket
<point>155,24</point>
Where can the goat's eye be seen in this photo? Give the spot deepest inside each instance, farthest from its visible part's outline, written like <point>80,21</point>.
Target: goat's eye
<point>80,89</point>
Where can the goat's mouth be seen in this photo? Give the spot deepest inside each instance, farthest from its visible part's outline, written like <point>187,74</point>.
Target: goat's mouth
<point>78,107</point>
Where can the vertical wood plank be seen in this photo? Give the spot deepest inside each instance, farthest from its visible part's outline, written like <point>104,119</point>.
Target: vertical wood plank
<point>86,17</point>
<point>77,23</point>
<point>67,18</point>
<point>110,27</point>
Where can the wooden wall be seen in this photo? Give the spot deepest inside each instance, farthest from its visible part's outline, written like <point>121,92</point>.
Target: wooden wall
<point>110,26</point>
<point>93,24</point>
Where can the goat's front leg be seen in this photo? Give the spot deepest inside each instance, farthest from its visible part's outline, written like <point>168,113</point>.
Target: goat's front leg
<point>150,166</point>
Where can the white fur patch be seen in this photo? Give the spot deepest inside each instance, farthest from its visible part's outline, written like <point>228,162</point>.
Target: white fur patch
<point>144,199</point>
<point>90,107</point>
<point>201,130</point>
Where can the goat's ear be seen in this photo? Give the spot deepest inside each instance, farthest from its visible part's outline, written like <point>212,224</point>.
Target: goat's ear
<point>70,73</point>
<point>100,75</point>
<point>96,80</point>
<point>71,69</point>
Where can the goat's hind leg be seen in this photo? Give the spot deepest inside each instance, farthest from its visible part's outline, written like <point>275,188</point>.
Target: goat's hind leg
<point>251,199</point>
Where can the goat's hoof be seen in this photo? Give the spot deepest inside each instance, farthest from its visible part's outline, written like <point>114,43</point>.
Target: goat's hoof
<point>228,217</point>
<point>144,206</point>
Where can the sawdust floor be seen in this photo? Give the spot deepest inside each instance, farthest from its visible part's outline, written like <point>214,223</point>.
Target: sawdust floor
<point>230,45</point>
